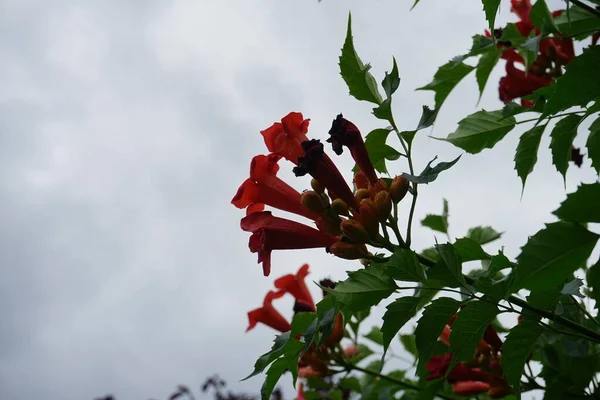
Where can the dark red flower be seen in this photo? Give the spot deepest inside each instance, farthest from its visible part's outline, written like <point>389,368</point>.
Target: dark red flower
<point>285,137</point>
<point>518,83</point>
<point>470,388</point>
<point>295,285</point>
<point>271,233</point>
<point>318,165</point>
<point>345,133</point>
<point>438,366</point>
<point>576,156</point>
<point>268,315</point>
<point>264,187</point>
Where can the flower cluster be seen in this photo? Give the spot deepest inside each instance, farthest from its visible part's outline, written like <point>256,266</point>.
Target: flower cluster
<point>552,55</point>
<point>345,219</point>
<point>482,374</point>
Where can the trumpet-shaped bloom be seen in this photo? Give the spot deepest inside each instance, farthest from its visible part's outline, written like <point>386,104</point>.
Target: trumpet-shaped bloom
<point>285,137</point>
<point>296,286</point>
<point>268,315</point>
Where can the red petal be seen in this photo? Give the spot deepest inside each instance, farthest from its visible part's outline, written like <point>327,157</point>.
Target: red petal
<point>470,388</point>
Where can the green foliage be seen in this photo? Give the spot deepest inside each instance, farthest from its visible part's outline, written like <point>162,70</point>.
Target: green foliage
<point>289,362</point>
<point>542,18</point>
<point>469,327</point>
<point>481,130</point>
<point>593,281</point>
<point>391,81</point>
<point>552,254</point>
<point>279,345</point>
<point>486,64</point>
<point>483,234</point>
<point>572,288</point>
<point>577,22</point>
<point>453,261</point>
<point>470,250</point>
<point>430,174</point>
<point>582,205</point>
<point>378,150</point>
<point>375,335</point>
<point>398,313</point>
<point>431,324</point>
<point>437,222</point>
<point>364,288</point>
<point>563,135</point>
<point>360,82</point>
<point>517,348</point>
<point>526,155</point>
<point>593,144</point>
<point>491,8</point>
<point>410,344</point>
<point>404,265</point>
<point>445,79</point>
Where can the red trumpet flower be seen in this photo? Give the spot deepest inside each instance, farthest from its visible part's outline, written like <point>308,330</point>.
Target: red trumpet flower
<point>295,285</point>
<point>285,137</point>
<point>268,315</point>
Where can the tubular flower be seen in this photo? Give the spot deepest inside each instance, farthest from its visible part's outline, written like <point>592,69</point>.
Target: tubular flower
<point>295,285</point>
<point>285,137</point>
<point>470,388</point>
<point>271,233</point>
<point>345,133</point>
<point>318,165</point>
<point>300,395</point>
<point>264,187</point>
<point>268,315</point>
<point>518,83</point>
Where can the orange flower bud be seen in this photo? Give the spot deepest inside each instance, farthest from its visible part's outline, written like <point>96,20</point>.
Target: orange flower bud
<point>470,388</point>
<point>399,188</point>
<point>378,187</point>
<point>312,201</point>
<point>354,231</point>
<point>367,217</point>
<point>361,181</point>
<point>338,331</point>
<point>317,187</point>
<point>340,207</point>
<point>329,226</point>
<point>383,205</point>
<point>351,351</point>
<point>349,251</point>
<point>362,194</point>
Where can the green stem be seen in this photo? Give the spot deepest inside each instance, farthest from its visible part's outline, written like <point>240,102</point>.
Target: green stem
<point>586,7</point>
<point>550,117</point>
<point>586,312</point>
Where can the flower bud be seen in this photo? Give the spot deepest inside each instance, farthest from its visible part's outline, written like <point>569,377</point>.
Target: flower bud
<point>329,226</point>
<point>317,187</point>
<point>497,392</point>
<point>340,207</point>
<point>338,331</point>
<point>399,188</point>
<point>367,218</point>
<point>378,187</point>
<point>349,251</point>
<point>470,388</point>
<point>362,194</point>
<point>312,201</point>
<point>383,205</point>
<point>354,231</point>
<point>351,351</point>
<point>361,181</point>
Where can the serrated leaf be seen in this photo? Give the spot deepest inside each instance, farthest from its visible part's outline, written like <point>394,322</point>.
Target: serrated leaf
<point>326,313</point>
<point>430,174</point>
<point>581,206</point>
<point>511,108</point>
<point>562,135</point>
<point>391,81</point>
<point>481,130</point>
<point>404,266</point>
<point>378,150</point>
<point>578,22</point>
<point>593,144</point>
<point>396,316</point>
<point>572,288</point>
<point>516,349</point>
<point>526,155</point>
<point>497,289</point>
<point>481,44</point>
<point>431,324</point>
<point>497,263</point>
<point>287,363</point>
<point>384,111</point>
<point>350,383</point>
<point>430,390</point>
<point>529,50</point>
<point>279,345</point>
<point>542,18</point>
<point>375,335</point>
<point>364,288</point>
<point>470,250</point>
<point>427,118</point>
<point>360,82</point>
<point>490,7</point>
<point>468,329</point>
<point>445,79</point>
<point>453,262</point>
<point>578,86</point>
<point>431,254</point>
<point>483,234</point>
<point>552,255</point>
<point>486,64</point>
<point>435,222</point>
<point>410,344</point>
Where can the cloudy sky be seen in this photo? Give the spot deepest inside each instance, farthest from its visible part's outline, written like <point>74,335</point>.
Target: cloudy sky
<point>126,128</point>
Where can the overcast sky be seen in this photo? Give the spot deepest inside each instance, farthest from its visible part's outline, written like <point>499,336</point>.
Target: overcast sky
<point>125,130</point>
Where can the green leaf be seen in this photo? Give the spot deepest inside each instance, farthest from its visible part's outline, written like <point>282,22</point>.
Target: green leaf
<point>431,324</point>
<point>486,64</point>
<point>498,289</point>
<point>289,362</point>
<point>526,155</point>
<point>470,250</point>
<point>326,313</point>
<point>542,18</point>
<point>516,349</point>
<point>436,222</point>
<point>430,174</point>
<point>481,44</point>
<point>552,255</point>
<point>483,234</point>
<point>497,263</point>
<point>431,254</point>
<point>445,79</point>
<point>578,86</point>
<point>404,266</point>
<point>593,281</point>
<point>430,390</point>
<point>529,50</point>
<point>397,315</point>
<point>410,344</point>
<point>360,82</point>
<point>427,118</point>
<point>511,34</point>
<point>375,335</point>
<point>279,345</point>
<point>491,8</point>
<point>593,144</point>
<point>378,150</point>
<point>384,111</point>
<point>468,329</point>
<point>581,206</point>
<point>364,288</point>
<point>350,383</point>
<point>452,259</point>
<point>391,81</point>
<point>364,352</point>
<point>577,22</point>
<point>562,136</point>
<point>511,108</point>
<point>481,130</point>
<point>572,288</point>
